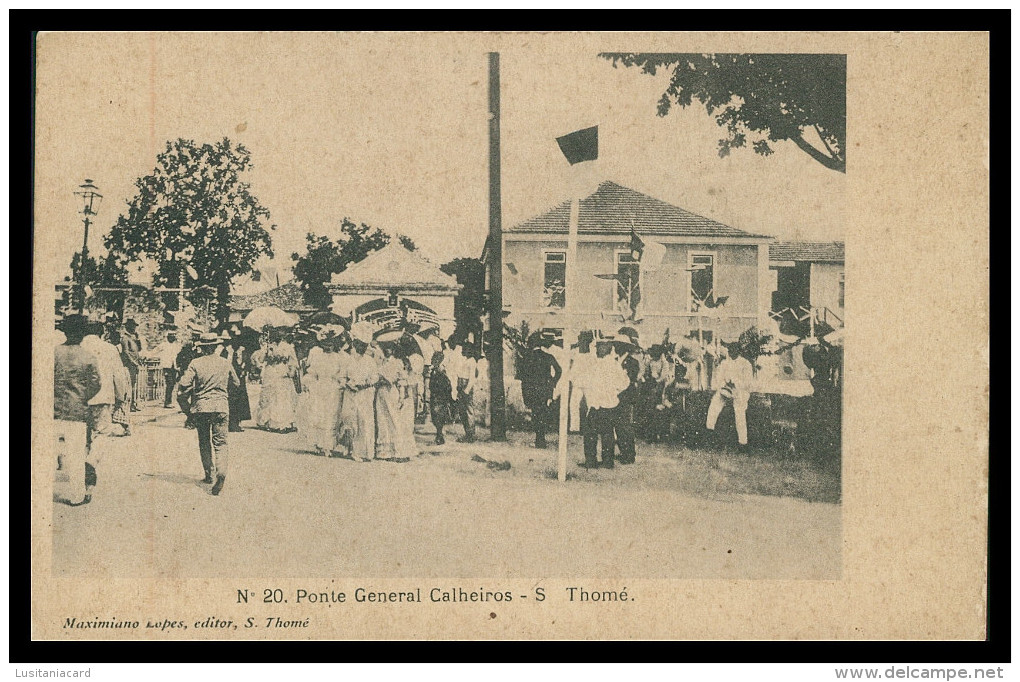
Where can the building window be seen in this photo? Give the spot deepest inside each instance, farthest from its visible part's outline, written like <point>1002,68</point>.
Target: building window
<point>554,290</point>
<point>702,269</point>
<point>842,289</point>
<point>628,282</point>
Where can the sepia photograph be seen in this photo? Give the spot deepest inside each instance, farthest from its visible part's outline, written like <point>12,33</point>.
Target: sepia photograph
<point>390,321</point>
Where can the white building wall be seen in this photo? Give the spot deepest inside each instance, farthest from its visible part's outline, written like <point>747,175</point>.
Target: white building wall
<point>825,280</point>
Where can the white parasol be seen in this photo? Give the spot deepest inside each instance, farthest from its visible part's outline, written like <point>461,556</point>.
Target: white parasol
<point>269,316</point>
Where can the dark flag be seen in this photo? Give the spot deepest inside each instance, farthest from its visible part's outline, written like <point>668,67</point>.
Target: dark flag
<point>637,246</point>
<point>581,145</point>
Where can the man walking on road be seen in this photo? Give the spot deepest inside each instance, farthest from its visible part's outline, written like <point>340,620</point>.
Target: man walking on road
<point>75,382</point>
<point>166,353</point>
<point>203,394</point>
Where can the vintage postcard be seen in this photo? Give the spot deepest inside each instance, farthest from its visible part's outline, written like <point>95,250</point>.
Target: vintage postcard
<point>510,336</point>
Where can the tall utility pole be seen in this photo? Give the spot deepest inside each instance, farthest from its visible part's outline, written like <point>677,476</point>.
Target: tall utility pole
<point>497,394</point>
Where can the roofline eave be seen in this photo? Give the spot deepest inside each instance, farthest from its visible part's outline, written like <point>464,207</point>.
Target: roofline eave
<point>531,236</point>
<point>342,288</point>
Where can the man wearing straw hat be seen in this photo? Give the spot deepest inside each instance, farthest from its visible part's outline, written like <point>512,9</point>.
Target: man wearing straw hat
<point>733,376</point>
<point>203,393</point>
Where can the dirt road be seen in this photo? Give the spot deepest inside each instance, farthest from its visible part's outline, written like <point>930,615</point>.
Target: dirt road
<point>287,512</point>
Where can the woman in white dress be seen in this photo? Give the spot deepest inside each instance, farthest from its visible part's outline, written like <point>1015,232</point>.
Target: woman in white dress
<point>358,415</point>
<point>321,404</point>
<point>278,398</point>
<point>388,396</point>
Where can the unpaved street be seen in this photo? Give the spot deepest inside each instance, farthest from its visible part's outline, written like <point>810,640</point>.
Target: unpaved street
<point>287,512</point>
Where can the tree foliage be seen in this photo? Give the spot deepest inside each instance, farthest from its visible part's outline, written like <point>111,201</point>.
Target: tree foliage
<point>324,257</point>
<point>760,98</point>
<point>469,306</point>
<point>194,214</point>
<point>112,271</point>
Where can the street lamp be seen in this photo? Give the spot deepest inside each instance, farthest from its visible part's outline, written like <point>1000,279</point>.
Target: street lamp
<point>90,201</point>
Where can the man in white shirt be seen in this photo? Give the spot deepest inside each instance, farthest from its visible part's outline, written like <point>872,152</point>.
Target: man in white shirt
<point>166,353</point>
<point>733,378</point>
<point>108,362</point>
<point>603,379</point>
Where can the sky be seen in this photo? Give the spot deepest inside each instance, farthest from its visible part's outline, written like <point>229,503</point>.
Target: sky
<point>392,131</point>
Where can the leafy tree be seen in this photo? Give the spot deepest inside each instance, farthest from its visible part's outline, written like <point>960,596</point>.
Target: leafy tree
<point>324,257</point>
<point>195,215</point>
<point>772,97</point>
<point>469,306</point>
<point>111,272</point>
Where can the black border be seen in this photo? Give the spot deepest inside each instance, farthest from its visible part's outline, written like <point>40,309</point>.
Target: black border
<point>995,649</point>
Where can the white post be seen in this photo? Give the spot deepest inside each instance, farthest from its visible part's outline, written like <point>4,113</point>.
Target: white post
<point>569,331</point>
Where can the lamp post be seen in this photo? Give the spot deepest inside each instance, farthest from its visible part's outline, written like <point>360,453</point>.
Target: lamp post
<point>90,201</point>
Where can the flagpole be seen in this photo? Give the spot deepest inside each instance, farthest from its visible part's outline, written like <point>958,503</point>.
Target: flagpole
<point>569,332</point>
<point>578,147</point>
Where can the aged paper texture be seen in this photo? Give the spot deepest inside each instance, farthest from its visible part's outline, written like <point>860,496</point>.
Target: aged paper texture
<point>670,246</point>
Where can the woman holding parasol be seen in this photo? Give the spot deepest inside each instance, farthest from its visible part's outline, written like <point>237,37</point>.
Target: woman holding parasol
<point>279,369</point>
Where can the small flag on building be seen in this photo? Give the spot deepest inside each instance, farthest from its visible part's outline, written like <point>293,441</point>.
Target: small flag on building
<point>580,145</point>
<point>649,252</point>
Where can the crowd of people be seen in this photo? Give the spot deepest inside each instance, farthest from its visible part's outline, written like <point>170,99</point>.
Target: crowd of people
<point>619,390</point>
<point>354,393</point>
<point>357,392</point>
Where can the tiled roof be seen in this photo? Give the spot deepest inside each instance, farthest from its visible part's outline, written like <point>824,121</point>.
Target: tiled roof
<point>611,209</point>
<point>817,252</point>
<point>286,297</point>
<point>394,266</point>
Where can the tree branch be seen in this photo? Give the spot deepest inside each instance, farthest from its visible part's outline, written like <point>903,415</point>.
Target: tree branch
<point>830,162</point>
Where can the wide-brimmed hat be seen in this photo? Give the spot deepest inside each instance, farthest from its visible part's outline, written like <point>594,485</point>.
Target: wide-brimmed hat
<point>630,333</point>
<point>209,339</point>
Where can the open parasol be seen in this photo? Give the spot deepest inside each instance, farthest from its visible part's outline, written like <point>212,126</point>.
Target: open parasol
<point>269,316</point>
<point>385,335</point>
<point>326,317</point>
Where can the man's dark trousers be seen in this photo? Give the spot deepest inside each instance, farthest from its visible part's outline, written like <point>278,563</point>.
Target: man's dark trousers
<point>625,432</point>
<point>169,379</point>
<point>542,419</point>
<point>599,423</point>
<point>212,433</point>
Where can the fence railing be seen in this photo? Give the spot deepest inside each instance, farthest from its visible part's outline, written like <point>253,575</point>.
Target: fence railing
<point>150,387</point>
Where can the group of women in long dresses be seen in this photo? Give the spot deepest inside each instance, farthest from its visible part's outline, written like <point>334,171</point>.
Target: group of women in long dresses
<point>352,398</point>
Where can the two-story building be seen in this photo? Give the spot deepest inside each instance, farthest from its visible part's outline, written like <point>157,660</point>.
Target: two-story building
<point>712,278</point>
